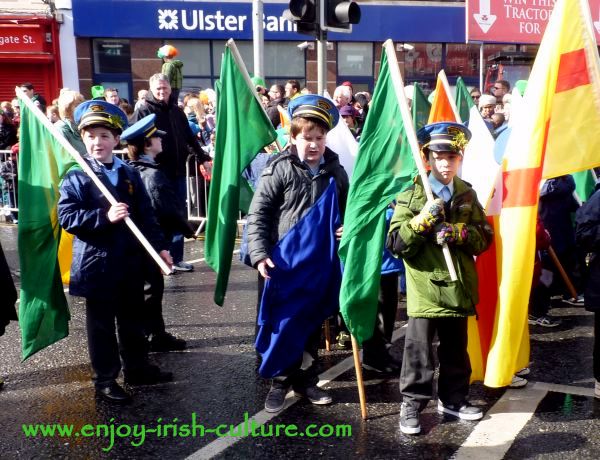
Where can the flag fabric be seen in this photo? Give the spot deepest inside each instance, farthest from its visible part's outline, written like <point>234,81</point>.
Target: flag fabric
<point>443,107</point>
<point>303,287</point>
<point>243,129</point>
<point>554,134</point>
<point>384,167</point>
<point>464,101</point>
<point>420,108</point>
<point>479,167</point>
<point>43,161</point>
<point>342,142</point>
<point>585,183</point>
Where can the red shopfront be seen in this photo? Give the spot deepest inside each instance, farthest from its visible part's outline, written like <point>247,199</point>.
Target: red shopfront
<point>29,52</point>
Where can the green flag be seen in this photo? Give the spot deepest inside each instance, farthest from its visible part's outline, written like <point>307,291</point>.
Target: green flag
<point>464,101</point>
<point>43,310</point>
<point>384,166</point>
<point>585,182</point>
<point>420,108</point>
<point>243,128</point>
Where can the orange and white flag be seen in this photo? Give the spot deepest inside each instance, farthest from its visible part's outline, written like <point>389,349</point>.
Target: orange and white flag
<point>443,107</point>
<point>556,133</point>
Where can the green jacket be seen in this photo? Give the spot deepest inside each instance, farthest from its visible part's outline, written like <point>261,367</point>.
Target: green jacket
<point>174,71</point>
<point>430,292</point>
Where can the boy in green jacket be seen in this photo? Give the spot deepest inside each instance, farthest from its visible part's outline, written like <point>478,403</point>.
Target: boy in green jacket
<point>172,68</point>
<point>435,303</point>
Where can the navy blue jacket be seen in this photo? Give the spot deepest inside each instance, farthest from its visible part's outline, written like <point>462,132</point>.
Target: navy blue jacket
<point>588,238</point>
<point>556,206</point>
<point>103,252</point>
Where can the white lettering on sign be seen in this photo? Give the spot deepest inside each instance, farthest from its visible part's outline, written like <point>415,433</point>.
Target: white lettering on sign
<point>16,40</point>
<point>199,20</point>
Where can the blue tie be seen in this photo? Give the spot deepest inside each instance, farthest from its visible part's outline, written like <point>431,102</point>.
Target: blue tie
<point>445,193</point>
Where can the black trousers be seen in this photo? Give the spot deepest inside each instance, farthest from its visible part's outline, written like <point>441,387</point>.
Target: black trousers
<point>539,300</point>
<point>387,307</point>
<point>302,374</point>
<point>416,377</point>
<point>596,355</point>
<point>154,288</point>
<point>118,314</point>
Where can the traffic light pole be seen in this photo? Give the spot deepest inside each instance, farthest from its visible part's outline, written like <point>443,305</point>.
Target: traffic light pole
<point>258,38</point>
<point>321,61</point>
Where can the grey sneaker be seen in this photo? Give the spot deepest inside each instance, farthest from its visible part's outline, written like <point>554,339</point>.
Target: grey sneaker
<point>183,267</point>
<point>544,321</point>
<point>314,394</point>
<point>517,382</point>
<point>409,419</point>
<point>597,389</point>
<point>463,411</point>
<point>275,399</point>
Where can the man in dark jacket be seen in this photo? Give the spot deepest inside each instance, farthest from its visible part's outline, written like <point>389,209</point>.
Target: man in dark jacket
<point>587,235</point>
<point>178,143</point>
<point>276,96</point>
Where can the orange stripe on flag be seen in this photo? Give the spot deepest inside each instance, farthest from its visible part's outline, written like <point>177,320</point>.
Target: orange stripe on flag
<point>520,187</point>
<point>572,71</point>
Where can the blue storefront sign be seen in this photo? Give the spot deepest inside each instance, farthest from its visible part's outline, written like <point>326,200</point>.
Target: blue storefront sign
<point>204,20</point>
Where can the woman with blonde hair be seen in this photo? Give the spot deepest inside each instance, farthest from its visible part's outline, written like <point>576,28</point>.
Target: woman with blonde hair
<point>67,102</point>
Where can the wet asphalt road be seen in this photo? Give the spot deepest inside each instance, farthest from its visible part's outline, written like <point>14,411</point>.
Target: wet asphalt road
<point>216,382</point>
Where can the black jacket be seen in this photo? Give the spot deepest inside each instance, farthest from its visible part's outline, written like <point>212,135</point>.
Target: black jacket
<point>8,136</point>
<point>103,252</point>
<point>588,238</point>
<point>273,111</point>
<point>285,192</point>
<point>179,142</point>
<point>167,206</point>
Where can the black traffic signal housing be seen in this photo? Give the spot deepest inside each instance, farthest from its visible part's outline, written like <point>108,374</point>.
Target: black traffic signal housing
<point>304,14</point>
<point>340,15</point>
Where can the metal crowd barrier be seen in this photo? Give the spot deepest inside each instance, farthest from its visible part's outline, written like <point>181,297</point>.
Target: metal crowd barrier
<point>198,184</point>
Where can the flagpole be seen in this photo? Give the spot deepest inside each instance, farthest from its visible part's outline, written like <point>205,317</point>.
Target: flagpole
<point>95,179</point>
<point>442,76</point>
<point>244,71</point>
<point>359,379</point>
<point>412,137</point>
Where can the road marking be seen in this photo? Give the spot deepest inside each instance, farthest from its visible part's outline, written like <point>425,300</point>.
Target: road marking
<point>237,251</point>
<point>493,436</point>
<point>219,445</point>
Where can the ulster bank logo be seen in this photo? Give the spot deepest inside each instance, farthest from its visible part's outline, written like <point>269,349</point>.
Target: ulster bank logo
<point>168,20</point>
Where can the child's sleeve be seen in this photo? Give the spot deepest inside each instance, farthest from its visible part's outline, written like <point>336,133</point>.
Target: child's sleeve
<point>77,213</point>
<point>262,222</point>
<point>402,240</point>
<point>480,233</point>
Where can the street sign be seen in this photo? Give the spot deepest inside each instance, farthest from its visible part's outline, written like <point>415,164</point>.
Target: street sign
<point>514,21</point>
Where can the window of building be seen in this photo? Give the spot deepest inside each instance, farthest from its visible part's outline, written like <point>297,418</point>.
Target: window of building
<point>196,58</point>
<point>112,65</point>
<point>355,59</point>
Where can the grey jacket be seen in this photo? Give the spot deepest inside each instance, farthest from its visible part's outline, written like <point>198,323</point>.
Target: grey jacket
<point>285,192</point>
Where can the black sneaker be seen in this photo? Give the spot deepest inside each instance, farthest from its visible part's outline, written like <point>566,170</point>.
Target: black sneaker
<point>147,375</point>
<point>275,399</point>
<point>463,411</point>
<point>314,394</point>
<point>577,302</point>
<point>409,419</point>
<point>381,366</point>
<point>166,342</point>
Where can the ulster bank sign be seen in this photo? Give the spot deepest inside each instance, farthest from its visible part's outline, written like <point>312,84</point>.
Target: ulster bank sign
<point>199,19</point>
<point>178,20</point>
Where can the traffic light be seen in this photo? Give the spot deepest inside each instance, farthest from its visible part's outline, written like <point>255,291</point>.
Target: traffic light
<point>304,14</point>
<point>339,15</point>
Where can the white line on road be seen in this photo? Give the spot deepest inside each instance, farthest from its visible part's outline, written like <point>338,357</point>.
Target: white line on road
<point>219,445</point>
<point>493,436</point>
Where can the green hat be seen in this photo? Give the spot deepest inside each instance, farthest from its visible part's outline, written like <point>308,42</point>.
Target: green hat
<point>258,81</point>
<point>97,91</point>
<point>521,85</point>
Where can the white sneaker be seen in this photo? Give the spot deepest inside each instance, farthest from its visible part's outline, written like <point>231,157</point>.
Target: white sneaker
<point>523,372</point>
<point>517,382</point>
<point>597,389</point>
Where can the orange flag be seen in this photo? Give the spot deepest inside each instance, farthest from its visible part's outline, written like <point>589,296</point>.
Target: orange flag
<point>556,133</point>
<point>443,107</point>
